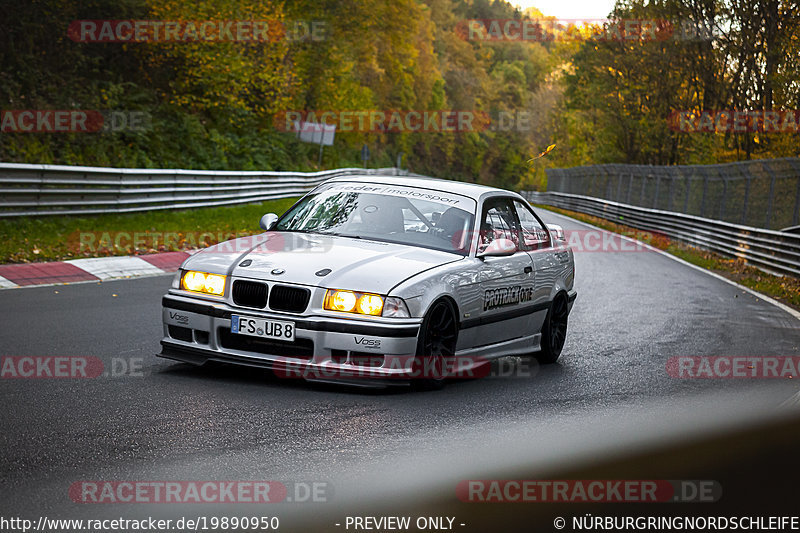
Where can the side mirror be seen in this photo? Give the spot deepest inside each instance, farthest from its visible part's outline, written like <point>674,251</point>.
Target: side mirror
<point>499,248</point>
<point>557,232</point>
<point>268,221</point>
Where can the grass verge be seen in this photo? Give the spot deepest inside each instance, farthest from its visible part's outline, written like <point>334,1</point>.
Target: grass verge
<point>53,238</point>
<point>785,289</point>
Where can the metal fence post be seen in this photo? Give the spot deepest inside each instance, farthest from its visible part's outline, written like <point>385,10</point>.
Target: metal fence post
<point>688,192</point>
<point>796,214</point>
<point>746,175</point>
<point>630,186</point>
<point>671,192</point>
<point>705,192</point>
<point>771,199</point>
<point>724,199</point>
<point>658,186</point>
<point>586,179</point>
<point>644,186</point>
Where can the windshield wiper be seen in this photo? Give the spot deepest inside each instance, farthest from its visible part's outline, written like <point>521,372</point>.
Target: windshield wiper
<point>340,234</point>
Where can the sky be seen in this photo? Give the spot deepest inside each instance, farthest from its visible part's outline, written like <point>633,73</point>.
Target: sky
<point>569,9</point>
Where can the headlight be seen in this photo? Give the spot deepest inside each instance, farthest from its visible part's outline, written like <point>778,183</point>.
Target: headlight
<point>362,303</point>
<point>202,282</point>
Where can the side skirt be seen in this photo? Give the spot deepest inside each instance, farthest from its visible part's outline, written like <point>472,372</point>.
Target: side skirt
<point>518,346</point>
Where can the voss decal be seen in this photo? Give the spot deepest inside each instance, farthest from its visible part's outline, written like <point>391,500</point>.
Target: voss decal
<point>367,343</point>
<point>178,317</point>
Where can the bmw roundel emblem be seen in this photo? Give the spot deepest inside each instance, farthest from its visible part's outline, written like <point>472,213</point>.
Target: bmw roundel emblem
<point>277,271</point>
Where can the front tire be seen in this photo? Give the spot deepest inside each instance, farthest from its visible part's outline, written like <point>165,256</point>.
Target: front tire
<point>554,331</point>
<point>436,346</point>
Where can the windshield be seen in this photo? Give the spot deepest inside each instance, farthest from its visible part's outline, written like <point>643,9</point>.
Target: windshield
<point>387,213</point>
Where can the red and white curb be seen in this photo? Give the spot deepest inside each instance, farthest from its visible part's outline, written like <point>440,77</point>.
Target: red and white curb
<point>91,269</point>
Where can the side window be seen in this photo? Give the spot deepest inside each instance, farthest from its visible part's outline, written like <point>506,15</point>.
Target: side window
<point>534,234</point>
<point>498,222</point>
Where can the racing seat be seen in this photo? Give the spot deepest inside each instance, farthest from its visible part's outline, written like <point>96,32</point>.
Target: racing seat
<point>454,225</point>
<point>382,217</point>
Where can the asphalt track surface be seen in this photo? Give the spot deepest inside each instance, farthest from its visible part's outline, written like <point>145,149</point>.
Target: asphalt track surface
<point>170,421</point>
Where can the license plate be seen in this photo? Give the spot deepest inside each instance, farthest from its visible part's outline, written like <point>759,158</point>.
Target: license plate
<point>262,327</point>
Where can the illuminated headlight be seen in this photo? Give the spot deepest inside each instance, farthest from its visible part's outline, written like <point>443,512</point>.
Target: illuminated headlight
<point>362,303</point>
<point>202,282</point>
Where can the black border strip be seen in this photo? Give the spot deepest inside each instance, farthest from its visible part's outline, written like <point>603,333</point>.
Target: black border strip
<point>506,315</point>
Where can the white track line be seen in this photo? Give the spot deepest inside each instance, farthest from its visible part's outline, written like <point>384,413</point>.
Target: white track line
<point>116,267</point>
<point>5,284</point>
<point>776,303</point>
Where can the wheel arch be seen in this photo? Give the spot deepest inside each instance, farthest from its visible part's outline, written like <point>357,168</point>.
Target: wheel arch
<point>560,293</point>
<point>450,301</point>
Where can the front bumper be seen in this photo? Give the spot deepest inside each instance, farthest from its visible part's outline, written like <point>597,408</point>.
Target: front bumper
<point>325,347</point>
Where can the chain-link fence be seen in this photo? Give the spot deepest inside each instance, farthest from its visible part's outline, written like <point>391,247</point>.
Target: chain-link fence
<point>763,193</point>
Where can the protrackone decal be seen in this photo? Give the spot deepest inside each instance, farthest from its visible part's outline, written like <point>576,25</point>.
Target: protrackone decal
<point>505,296</point>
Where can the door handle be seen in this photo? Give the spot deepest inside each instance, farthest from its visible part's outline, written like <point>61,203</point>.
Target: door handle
<point>528,269</point>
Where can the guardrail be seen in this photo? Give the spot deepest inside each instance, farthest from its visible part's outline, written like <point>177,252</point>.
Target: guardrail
<point>39,190</point>
<point>772,251</point>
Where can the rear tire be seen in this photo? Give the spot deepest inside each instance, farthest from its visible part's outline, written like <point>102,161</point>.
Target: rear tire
<point>554,331</point>
<point>436,346</point>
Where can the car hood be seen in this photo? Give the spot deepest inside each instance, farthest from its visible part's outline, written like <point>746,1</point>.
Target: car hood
<point>354,264</point>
